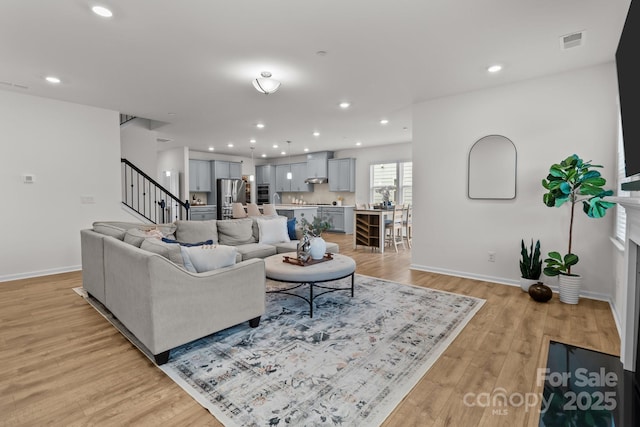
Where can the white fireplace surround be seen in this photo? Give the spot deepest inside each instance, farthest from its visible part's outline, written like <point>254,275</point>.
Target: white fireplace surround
<point>631,294</point>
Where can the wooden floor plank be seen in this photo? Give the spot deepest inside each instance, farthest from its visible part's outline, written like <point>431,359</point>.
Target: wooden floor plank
<point>61,363</point>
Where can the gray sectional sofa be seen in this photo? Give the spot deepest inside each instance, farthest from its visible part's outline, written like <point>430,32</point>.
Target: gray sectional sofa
<point>145,284</point>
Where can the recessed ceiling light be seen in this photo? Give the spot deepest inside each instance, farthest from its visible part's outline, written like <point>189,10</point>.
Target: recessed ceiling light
<point>494,68</point>
<point>52,79</point>
<point>306,150</point>
<point>345,104</point>
<point>253,141</point>
<point>102,11</point>
<point>210,148</point>
<point>230,145</point>
<point>358,143</point>
<point>264,155</point>
<point>260,125</point>
<point>275,145</point>
<point>384,121</point>
<point>283,153</point>
<point>316,133</point>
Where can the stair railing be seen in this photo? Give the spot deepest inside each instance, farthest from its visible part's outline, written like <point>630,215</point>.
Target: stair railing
<point>148,198</point>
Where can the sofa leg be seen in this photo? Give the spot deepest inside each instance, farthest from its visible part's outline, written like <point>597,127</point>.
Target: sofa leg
<point>162,358</point>
<point>254,322</point>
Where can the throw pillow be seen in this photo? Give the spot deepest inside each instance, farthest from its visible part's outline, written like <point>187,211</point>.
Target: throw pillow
<point>273,230</point>
<point>235,232</point>
<point>169,251</point>
<point>209,257</point>
<point>291,229</point>
<point>188,265</point>
<point>135,236</point>
<point>196,231</point>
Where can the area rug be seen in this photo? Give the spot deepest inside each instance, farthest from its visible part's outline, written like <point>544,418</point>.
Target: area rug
<point>349,365</point>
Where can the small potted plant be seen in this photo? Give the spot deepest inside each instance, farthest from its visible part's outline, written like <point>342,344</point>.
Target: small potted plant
<point>573,180</point>
<point>313,231</point>
<point>530,265</point>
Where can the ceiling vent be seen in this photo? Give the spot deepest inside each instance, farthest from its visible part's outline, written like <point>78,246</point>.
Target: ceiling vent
<point>164,139</point>
<point>569,41</point>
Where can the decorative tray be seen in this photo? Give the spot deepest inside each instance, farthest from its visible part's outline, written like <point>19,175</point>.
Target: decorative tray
<point>295,261</point>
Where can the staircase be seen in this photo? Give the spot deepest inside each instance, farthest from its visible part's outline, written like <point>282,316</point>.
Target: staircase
<point>147,198</point>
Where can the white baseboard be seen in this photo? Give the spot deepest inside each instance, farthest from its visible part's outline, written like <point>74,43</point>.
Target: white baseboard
<point>504,281</point>
<point>48,272</point>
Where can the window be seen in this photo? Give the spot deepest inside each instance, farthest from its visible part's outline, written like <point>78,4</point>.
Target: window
<point>386,176</point>
<point>621,216</point>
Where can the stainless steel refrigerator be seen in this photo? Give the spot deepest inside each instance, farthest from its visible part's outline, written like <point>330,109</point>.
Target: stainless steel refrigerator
<point>229,191</point>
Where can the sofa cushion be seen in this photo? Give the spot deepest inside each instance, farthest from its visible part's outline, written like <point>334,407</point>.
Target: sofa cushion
<point>255,250</point>
<point>209,257</point>
<point>167,250</point>
<point>235,232</point>
<point>196,231</point>
<point>115,229</point>
<point>273,230</point>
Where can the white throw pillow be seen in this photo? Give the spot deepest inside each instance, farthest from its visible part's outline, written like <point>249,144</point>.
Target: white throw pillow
<point>273,230</point>
<point>210,257</point>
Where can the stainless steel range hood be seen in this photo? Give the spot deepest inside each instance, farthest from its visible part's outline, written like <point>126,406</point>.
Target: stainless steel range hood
<point>316,180</point>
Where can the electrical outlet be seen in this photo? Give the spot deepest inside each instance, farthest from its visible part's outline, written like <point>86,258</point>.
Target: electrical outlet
<point>492,256</point>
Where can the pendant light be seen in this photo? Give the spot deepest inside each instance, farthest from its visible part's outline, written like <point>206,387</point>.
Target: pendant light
<point>289,174</point>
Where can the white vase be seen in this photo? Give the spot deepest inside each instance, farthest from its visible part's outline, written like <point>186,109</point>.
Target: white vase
<point>569,287</point>
<point>317,248</point>
<point>526,283</point>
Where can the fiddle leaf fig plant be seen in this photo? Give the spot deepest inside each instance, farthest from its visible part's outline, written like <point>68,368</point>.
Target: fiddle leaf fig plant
<point>573,180</point>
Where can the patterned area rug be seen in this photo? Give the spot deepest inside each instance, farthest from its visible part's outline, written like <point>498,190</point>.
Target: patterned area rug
<point>350,365</point>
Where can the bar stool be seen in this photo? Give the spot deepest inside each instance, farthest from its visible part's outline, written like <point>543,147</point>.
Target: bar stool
<point>393,229</point>
<point>269,210</point>
<point>252,210</point>
<point>237,211</point>
<point>407,223</point>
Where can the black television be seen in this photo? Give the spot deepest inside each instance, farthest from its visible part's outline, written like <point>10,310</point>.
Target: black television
<point>628,70</point>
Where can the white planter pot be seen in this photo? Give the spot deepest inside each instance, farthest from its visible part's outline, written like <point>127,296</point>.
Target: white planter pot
<point>525,283</point>
<point>569,287</point>
<point>317,248</point>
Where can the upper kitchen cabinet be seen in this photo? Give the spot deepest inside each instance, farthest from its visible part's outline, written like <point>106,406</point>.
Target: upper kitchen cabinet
<point>199,175</point>
<point>317,166</point>
<point>223,169</point>
<point>282,183</point>
<point>298,181</point>
<point>342,175</point>
<point>265,174</point>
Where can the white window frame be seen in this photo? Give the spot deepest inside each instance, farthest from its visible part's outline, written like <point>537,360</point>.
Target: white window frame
<point>398,193</point>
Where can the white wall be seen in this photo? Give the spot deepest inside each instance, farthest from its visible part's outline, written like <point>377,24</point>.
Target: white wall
<point>73,151</point>
<point>548,119</point>
<point>139,145</point>
<point>176,159</point>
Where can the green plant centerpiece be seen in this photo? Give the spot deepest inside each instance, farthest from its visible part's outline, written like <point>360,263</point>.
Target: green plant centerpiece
<point>312,231</point>
<point>530,265</point>
<point>573,180</point>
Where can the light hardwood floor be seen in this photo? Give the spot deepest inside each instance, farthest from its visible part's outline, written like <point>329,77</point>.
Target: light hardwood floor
<point>61,363</point>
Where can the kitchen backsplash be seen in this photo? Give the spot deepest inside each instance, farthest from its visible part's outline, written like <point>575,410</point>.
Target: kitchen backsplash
<point>320,194</point>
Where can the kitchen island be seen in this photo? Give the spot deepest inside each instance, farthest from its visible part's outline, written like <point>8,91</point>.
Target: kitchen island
<point>298,211</point>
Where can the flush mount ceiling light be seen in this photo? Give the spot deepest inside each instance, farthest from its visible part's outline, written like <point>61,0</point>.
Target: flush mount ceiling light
<point>52,79</point>
<point>102,11</point>
<point>266,84</point>
<point>344,104</point>
<point>494,68</point>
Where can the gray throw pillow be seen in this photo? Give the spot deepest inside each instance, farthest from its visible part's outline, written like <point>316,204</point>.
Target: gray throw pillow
<point>196,231</point>
<point>171,251</point>
<point>235,232</point>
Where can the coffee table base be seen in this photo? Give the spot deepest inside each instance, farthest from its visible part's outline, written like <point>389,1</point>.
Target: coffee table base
<point>313,296</point>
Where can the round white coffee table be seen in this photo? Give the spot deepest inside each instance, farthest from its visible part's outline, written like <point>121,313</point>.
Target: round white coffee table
<point>339,267</point>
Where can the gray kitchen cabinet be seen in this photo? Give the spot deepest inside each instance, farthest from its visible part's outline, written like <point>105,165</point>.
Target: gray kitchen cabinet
<point>235,170</point>
<point>199,175</point>
<point>298,184</point>
<point>317,165</point>
<point>223,169</point>
<point>282,183</point>
<point>203,213</point>
<point>342,175</point>
<point>264,174</point>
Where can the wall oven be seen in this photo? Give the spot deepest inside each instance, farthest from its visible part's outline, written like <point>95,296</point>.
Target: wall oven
<point>262,194</point>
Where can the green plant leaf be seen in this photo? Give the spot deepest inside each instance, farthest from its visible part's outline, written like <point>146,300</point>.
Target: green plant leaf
<point>551,272</point>
<point>570,259</point>
<point>555,255</point>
